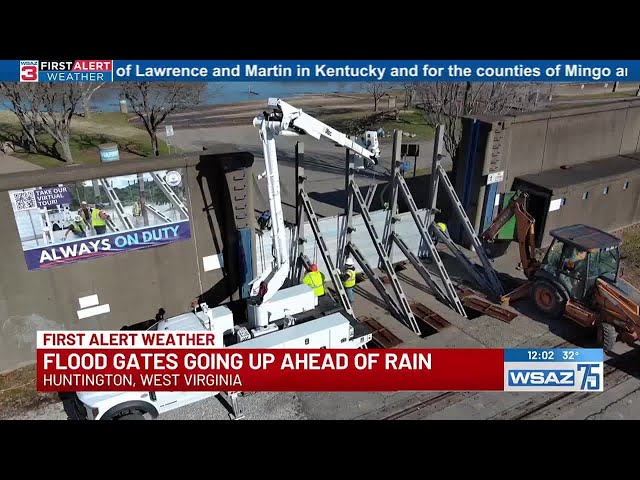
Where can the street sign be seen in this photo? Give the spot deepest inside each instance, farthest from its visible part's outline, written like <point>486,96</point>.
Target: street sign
<point>169,130</point>
<point>495,177</point>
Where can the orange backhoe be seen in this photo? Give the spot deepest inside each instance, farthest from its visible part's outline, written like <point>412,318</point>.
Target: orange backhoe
<point>578,277</point>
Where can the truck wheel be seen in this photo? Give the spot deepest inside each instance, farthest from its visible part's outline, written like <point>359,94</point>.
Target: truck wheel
<point>130,416</point>
<point>607,336</point>
<point>547,298</point>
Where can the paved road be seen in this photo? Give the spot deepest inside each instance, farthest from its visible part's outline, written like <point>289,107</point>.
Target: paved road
<point>324,165</point>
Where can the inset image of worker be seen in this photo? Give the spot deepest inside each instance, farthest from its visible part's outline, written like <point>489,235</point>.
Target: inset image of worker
<point>78,227</point>
<point>99,219</point>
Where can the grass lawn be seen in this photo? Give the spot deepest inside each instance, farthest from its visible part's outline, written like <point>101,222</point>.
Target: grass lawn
<point>18,392</point>
<point>86,135</point>
<point>630,252</point>
<point>410,121</point>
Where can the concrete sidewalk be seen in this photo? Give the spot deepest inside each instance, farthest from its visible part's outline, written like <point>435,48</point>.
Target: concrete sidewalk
<point>9,164</point>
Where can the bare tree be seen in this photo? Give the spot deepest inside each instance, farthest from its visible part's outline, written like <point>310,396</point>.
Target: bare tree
<point>59,103</point>
<point>88,91</point>
<point>409,93</point>
<point>25,102</point>
<point>377,90</point>
<point>445,103</point>
<point>152,102</point>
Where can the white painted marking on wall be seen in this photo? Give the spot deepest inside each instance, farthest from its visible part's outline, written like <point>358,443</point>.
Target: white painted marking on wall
<point>555,204</point>
<point>88,301</point>
<point>93,311</point>
<point>212,262</point>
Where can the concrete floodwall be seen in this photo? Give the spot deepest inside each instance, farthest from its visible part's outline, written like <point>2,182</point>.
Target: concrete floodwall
<point>122,288</point>
<point>539,141</point>
<point>533,142</point>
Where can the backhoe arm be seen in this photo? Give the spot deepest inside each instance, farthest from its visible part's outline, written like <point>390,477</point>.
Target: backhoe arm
<point>525,232</point>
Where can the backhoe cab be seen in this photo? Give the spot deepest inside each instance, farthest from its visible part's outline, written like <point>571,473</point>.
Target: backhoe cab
<point>578,256</point>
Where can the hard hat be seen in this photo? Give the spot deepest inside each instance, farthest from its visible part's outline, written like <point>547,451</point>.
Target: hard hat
<point>77,218</point>
<point>442,226</point>
<point>83,203</point>
<point>313,267</point>
<point>349,262</point>
<point>99,205</point>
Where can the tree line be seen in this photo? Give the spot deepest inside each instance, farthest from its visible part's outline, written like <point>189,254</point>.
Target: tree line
<point>446,103</point>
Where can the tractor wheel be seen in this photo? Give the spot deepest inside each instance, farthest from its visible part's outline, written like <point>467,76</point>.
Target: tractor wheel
<point>607,336</point>
<point>547,298</point>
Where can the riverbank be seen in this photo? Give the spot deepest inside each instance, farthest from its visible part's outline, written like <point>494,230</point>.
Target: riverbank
<point>242,113</point>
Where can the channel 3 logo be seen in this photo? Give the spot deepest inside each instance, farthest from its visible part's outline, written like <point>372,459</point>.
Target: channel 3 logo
<point>567,377</point>
<point>29,70</point>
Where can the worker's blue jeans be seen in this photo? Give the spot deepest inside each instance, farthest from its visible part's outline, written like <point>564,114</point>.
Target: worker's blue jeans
<point>350,294</point>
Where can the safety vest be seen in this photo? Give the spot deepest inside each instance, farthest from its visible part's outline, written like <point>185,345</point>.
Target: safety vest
<point>316,281</point>
<point>95,218</point>
<point>351,281</point>
<point>77,227</point>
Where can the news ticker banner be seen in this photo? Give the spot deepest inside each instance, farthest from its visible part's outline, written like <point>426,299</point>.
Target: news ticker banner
<point>319,70</point>
<point>196,361</point>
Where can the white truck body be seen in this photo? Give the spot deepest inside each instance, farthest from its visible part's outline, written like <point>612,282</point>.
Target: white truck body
<point>331,331</point>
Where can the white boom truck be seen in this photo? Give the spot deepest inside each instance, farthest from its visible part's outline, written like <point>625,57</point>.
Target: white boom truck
<point>277,317</point>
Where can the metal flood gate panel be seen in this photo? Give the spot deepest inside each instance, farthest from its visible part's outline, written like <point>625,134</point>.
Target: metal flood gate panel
<point>330,226</point>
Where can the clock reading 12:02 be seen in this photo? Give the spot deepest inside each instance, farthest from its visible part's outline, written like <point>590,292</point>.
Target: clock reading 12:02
<point>544,355</point>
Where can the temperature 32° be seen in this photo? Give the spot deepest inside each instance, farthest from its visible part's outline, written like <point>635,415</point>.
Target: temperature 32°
<point>570,355</point>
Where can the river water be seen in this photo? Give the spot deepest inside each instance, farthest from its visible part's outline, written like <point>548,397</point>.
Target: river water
<point>107,98</point>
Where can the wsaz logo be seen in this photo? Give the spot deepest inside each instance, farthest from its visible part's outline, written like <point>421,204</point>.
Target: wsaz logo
<point>29,70</point>
<point>547,378</point>
<point>585,377</point>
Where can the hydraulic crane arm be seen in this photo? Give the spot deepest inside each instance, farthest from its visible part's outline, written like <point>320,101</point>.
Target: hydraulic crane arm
<point>525,231</point>
<point>290,121</point>
<point>293,121</point>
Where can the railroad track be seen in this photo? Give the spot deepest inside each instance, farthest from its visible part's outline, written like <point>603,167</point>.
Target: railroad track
<point>542,407</point>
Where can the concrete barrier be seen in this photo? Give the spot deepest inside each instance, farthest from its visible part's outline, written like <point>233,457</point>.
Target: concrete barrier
<point>134,284</point>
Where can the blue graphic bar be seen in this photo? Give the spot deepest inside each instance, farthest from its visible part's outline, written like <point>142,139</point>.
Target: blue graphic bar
<point>582,71</point>
<point>544,355</point>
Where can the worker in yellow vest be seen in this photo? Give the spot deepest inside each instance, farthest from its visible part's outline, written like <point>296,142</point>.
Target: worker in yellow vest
<point>99,219</point>
<point>443,227</point>
<point>78,227</point>
<point>349,278</point>
<point>315,280</point>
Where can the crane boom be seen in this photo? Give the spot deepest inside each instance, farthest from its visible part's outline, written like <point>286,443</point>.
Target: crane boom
<point>288,121</point>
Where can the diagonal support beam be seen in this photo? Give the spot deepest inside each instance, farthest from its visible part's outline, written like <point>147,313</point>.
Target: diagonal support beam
<point>405,308</point>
